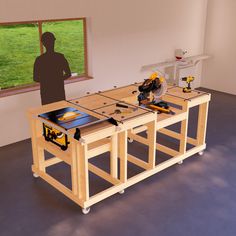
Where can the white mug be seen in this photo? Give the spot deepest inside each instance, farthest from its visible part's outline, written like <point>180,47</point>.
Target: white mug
<point>179,54</point>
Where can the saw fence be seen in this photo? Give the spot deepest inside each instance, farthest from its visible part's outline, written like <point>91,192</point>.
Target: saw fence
<point>140,125</point>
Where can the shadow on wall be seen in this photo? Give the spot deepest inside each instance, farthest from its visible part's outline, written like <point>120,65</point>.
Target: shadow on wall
<point>50,70</point>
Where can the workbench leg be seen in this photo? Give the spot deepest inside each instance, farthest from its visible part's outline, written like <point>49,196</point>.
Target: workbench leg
<point>184,131</point>
<point>82,163</point>
<point>202,123</point>
<point>184,134</point>
<point>38,152</point>
<point>113,156</point>
<point>151,137</point>
<point>74,169</point>
<point>122,138</point>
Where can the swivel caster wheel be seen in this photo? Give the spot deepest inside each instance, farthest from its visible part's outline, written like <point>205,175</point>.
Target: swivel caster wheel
<point>201,153</point>
<point>180,162</point>
<point>35,175</point>
<point>122,191</point>
<point>130,140</point>
<point>85,211</point>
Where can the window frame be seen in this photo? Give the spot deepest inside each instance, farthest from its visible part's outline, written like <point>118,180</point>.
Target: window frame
<point>35,86</point>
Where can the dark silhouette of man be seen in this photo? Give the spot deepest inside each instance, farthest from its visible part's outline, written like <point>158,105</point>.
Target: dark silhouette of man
<point>50,70</point>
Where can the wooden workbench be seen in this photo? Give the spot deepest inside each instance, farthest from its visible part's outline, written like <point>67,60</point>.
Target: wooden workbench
<point>105,137</point>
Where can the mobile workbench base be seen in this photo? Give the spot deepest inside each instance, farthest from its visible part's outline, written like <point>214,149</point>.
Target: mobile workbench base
<point>105,137</point>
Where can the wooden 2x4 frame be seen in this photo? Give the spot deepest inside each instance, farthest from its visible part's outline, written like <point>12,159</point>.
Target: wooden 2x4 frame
<point>109,138</point>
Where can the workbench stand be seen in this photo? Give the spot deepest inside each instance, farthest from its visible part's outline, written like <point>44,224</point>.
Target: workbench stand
<point>105,137</point>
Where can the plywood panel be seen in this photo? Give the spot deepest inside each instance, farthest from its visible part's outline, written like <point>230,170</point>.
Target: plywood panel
<point>93,101</point>
<point>178,92</point>
<point>122,93</point>
<point>126,113</point>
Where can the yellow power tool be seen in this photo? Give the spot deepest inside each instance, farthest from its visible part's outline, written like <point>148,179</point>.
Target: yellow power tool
<point>158,87</point>
<point>188,80</point>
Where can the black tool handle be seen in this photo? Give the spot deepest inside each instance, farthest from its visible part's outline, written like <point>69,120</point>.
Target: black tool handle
<point>77,134</point>
<point>121,105</point>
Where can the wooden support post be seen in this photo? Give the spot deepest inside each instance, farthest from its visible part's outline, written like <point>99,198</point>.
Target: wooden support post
<point>38,151</point>
<point>183,139</point>
<point>114,156</point>
<point>122,138</point>
<point>82,163</point>
<point>151,137</point>
<point>202,123</point>
<point>74,169</point>
<point>184,132</point>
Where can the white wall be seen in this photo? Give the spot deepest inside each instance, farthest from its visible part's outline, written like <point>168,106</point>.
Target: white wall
<point>123,36</point>
<point>220,42</point>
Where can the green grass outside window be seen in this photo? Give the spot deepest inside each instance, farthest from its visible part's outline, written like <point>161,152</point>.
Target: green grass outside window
<point>19,46</point>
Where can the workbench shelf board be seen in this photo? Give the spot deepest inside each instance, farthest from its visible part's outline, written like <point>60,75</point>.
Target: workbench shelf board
<point>103,101</point>
<point>94,101</point>
<point>112,94</point>
<point>194,98</point>
<point>121,92</point>
<point>131,112</point>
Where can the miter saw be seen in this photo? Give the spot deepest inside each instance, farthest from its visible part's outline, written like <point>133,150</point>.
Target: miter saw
<point>158,87</point>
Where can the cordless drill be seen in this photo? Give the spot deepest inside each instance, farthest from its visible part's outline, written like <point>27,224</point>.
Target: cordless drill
<point>188,80</point>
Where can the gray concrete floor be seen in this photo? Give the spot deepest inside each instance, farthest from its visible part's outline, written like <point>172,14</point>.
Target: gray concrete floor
<point>196,198</point>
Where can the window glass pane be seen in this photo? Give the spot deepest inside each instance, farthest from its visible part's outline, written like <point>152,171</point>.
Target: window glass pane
<point>19,46</point>
<point>69,41</point>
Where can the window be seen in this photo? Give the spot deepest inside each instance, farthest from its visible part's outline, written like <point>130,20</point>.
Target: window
<point>20,45</point>
<point>69,41</point>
